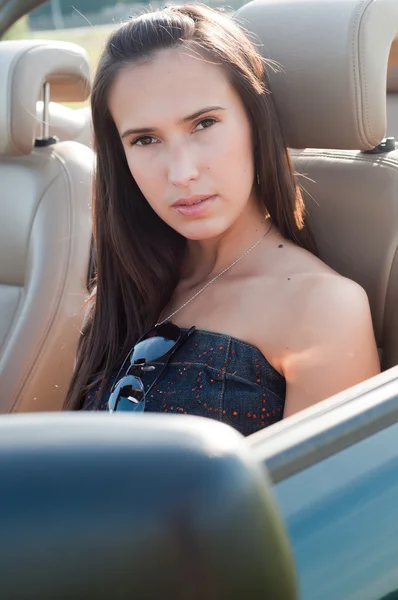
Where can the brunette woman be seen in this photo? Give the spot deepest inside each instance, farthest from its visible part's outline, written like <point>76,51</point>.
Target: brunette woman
<point>202,250</point>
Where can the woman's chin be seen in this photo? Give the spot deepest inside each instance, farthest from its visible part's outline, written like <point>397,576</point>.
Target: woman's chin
<point>201,232</point>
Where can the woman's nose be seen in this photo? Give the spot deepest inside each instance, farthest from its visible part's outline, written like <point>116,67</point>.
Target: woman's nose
<point>182,167</point>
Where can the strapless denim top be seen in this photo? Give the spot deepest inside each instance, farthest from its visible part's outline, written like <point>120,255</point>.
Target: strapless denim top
<point>213,375</point>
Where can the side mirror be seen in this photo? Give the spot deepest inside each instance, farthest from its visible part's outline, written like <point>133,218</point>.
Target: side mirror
<point>136,506</point>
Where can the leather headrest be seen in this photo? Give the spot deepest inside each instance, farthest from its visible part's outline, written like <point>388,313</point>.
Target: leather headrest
<point>330,91</point>
<point>392,73</point>
<point>24,67</point>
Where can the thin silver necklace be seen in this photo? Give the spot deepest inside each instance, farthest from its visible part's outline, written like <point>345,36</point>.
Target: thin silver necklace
<point>214,278</point>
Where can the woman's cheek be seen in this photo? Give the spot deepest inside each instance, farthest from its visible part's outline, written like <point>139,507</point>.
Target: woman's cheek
<point>151,188</point>
<point>143,172</point>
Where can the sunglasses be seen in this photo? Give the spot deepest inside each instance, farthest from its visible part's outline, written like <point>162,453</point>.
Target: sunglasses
<point>128,393</point>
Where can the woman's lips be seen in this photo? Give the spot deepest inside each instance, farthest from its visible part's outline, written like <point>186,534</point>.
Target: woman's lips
<point>194,210</point>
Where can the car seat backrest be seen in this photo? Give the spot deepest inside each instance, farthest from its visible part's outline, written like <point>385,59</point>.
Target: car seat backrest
<point>330,93</point>
<point>45,226</point>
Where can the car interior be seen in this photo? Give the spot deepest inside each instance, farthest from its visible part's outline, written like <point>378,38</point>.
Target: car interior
<point>332,105</point>
<point>333,120</point>
<point>66,123</point>
<point>216,534</point>
<point>45,225</point>
<point>392,91</point>
<point>331,99</point>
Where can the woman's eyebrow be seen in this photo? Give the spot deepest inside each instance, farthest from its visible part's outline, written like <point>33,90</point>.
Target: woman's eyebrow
<point>191,117</point>
<point>200,112</point>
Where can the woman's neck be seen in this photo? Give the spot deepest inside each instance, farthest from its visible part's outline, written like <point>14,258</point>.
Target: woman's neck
<point>207,258</point>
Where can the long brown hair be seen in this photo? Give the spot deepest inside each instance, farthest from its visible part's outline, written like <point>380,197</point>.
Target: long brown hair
<point>138,256</point>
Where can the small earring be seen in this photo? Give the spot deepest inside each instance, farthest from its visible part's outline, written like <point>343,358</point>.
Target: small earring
<point>258,178</point>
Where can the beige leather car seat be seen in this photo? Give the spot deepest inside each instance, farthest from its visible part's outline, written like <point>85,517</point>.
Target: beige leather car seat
<point>331,94</point>
<point>67,123</point>
<point>392,92</point>
<point>45,226</point>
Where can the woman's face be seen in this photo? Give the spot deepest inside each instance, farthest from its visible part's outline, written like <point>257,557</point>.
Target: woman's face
<point>187,141</point>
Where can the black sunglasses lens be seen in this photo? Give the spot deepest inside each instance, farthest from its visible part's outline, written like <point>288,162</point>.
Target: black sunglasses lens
<point>128,395</point>
<point>157,342</point>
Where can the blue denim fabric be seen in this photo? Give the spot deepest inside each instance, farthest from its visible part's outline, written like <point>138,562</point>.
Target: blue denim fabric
<point>217,376</point>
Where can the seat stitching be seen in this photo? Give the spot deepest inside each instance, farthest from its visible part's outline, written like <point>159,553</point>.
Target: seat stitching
<point>25,380</point>
<point>13,320</point>
<point>360,17</point>
<point>365,16</point>
<point>355,77</point>
<point>390,163</point>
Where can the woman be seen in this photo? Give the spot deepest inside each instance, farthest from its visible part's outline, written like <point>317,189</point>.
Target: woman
<point>198,218</point>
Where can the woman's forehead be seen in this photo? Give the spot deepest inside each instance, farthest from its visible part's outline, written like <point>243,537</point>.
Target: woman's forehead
<point>168,87</point>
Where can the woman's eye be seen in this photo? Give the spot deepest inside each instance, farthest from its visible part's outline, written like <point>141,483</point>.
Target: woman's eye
<point>145,140</point>
<point>205,123</point>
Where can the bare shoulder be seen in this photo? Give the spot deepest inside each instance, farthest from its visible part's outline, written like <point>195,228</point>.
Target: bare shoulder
<point>330,346</point>
<point>331,297</point>
<point>323,339</point>
<point>321,301</point>
<point>313,280</point>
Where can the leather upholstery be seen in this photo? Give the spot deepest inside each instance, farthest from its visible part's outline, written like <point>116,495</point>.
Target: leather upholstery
<point>45,232</point>
<point>67,123</point>
<point>392,115</point>
<point>332,94</point>
<point>351,199</point>
<point>333,54</point>
<point>24,66</point>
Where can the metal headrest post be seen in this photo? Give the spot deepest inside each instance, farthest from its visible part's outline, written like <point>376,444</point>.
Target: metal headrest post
<point>45,139</point>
